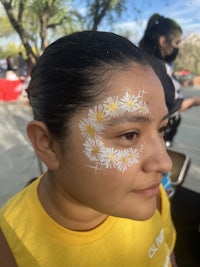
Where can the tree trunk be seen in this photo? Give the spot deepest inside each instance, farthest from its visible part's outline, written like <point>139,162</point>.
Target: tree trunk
<point>17,25</point>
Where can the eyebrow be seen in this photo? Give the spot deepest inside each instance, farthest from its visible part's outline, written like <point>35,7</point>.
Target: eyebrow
<point>132,118</point>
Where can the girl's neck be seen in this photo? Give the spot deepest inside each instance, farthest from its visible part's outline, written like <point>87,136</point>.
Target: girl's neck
<point>66,211</point>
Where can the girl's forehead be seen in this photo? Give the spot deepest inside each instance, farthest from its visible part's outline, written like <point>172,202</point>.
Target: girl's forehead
<point>115,106</point>
<point>177,36</point>
<point>133,80</point>
<point>132,87</point>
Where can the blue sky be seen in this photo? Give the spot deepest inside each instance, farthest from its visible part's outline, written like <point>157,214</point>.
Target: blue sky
<point>185,12</point>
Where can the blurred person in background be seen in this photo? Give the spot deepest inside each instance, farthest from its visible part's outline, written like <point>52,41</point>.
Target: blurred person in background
<point>21,65</point>
<point>10,63</point>
<point>161,39</point>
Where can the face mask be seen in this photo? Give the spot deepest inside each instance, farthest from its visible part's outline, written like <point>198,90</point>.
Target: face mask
<point>171,58</point>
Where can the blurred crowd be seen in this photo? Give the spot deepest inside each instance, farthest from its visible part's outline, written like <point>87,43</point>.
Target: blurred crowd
<point>13,68</point>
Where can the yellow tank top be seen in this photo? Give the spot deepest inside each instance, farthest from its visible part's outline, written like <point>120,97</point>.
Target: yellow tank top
<point>37,240</point>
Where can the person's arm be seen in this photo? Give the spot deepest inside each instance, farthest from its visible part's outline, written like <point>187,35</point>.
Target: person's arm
<point>189,103</point>
<point>6,257</point>
<point>173,260</point>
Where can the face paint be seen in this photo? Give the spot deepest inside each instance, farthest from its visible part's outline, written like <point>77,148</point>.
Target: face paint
<point>91,128</point>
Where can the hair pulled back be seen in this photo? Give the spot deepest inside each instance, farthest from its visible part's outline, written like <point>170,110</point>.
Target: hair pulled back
<point>74,71</point>
<point>158,26</point>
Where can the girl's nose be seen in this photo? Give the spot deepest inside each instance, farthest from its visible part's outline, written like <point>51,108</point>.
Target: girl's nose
<point>156,157</point>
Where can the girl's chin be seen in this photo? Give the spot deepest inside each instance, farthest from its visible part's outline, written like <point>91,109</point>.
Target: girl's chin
<point>144,213</point>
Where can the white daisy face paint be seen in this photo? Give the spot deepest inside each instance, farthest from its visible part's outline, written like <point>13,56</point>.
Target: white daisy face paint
<point>92,127</point>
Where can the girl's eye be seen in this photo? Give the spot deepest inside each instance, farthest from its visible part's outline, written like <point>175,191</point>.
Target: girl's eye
<point>162,130</point>
<point>129,136</point>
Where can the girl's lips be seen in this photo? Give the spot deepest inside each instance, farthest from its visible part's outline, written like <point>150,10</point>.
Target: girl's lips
<point>149,191</point>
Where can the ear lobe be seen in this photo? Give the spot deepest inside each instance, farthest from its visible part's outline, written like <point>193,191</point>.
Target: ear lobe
<point>43,144</point>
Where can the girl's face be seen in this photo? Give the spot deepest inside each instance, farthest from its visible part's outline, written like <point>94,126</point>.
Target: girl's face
<point>115,155</point>
<point>168,47</point>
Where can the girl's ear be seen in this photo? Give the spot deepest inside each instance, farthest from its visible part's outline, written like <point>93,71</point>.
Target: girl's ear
<point>44,144</point>
<point>162,41</point>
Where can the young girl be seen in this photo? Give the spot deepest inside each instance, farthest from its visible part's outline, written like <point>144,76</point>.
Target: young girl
<point>99,116</point>
<point>161,39</point>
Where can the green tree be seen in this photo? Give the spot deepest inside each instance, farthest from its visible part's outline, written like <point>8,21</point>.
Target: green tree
<point>9,50</point>
<point>33,19</point>
<point>100,9</point>
<point>38,22</point>
<point>6,28</point>
<point>189,54</point>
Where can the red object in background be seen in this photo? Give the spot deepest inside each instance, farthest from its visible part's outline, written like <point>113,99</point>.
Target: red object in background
<point>10,90</point>
<point>185,72</point>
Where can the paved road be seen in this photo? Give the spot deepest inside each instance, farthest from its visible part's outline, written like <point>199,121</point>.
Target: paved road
<point>18,162</point>
<point>187,140</point>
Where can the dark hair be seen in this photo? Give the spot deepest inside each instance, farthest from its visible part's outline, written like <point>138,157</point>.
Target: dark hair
<point>74,71</point>
<point>158,26</point>
<point>172,103</point>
